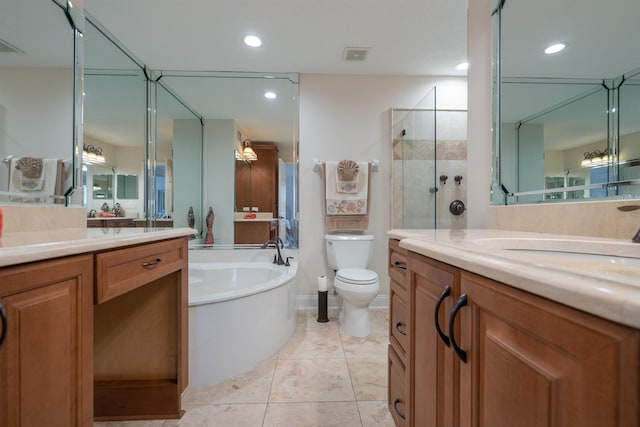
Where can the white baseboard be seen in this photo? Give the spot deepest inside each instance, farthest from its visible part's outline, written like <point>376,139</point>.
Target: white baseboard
<point>310,302</point>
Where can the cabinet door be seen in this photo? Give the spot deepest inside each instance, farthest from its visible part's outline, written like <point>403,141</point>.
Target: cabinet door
<point>433,368</point>
<point>46,359</point>
<point>535,363</point>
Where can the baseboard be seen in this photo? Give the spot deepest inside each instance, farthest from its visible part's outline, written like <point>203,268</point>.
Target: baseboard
<point>310,302</point>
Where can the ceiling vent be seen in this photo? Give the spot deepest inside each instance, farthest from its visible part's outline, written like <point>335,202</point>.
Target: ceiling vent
<point>8,47</point>
<point>355,53</point>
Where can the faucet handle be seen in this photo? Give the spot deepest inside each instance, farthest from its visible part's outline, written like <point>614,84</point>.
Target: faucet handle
<point>286,263</point>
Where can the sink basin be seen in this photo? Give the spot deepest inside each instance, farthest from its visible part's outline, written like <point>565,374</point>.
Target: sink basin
<point>596,250</point>
<point>612,259</point>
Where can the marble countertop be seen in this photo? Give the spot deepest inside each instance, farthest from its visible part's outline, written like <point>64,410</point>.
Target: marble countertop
<point>547,265</point>
<point>29,246</point>
<point>255,219</point>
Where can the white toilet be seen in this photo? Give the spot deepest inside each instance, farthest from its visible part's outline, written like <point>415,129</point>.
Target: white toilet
<point>349,254</point>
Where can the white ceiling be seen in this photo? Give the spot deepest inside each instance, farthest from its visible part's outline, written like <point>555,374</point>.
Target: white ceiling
<point>405,37</point>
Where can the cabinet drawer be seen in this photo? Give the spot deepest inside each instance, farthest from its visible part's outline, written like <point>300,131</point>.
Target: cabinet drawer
<point>122,270</point>
<point>397,393</point>
<point>398,263</point>
<point>399,320</point>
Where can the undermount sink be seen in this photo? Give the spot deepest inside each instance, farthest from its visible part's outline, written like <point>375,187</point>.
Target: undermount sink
<point>612,259</point>
<point>610,251</point>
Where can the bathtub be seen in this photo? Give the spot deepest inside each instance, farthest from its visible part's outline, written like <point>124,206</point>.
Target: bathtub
<point>242,310</point>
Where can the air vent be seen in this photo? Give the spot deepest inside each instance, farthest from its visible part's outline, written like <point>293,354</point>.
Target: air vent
<point>355,53</point>
<point>8,47</point>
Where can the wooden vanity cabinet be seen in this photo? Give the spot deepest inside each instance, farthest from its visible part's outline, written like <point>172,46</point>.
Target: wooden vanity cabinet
<point>528,361</point>
<point>532,362</point>
<point>46,359</point>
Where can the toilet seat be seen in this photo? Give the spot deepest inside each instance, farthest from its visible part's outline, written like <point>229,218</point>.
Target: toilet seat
<point>357,276</point>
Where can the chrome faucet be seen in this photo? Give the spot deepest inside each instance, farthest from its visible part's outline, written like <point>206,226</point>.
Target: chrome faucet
<point>629,208</point>
<point>278,243</point>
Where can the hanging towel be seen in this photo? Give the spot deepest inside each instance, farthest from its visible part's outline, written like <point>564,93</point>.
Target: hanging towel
<point>33,190</point>
<point>346,203</point>
<point>347,176</point>
<point>29,174</point>
<point>346,211</point>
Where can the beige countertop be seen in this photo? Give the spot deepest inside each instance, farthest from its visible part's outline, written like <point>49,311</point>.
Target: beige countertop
<point>554,266</point>
<point>255,219</point>
<point>29,246</point>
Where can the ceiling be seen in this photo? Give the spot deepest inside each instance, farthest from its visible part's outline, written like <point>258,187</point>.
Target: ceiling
<point>404,37</point>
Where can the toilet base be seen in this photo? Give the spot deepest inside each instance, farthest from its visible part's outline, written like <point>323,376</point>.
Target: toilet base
<point>355,321</point>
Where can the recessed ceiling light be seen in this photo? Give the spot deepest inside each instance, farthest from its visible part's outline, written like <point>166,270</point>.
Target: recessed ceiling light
<point>555,48</point>
<point>462,66</point>
<point>270,95</point>
<point>253,41</point>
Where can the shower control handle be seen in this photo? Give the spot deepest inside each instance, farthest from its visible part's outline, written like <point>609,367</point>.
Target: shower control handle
<point>457,207</point>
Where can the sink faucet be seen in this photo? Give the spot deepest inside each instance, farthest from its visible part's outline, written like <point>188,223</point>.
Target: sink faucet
<point>629,208</point>
<point>278,243</point>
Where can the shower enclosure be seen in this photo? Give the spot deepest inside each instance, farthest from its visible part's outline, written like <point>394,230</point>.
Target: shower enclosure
<point>429,152</point>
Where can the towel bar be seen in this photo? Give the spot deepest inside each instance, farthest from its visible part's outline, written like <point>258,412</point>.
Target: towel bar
<point>317,165</point>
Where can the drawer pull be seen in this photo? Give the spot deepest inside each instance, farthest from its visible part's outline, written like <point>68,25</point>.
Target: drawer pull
<point>445,293</point>
<point>402,331</point>
<point>395,406</point>
<point>3,316</point>
<point>400,265</point>
<point>151,264</point>
<point>462,301</point>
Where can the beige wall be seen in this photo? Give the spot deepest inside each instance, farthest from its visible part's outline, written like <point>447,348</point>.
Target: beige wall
<point>348,117</point>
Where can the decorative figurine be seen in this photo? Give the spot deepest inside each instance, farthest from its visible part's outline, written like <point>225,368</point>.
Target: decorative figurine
<point>105,207</point>
<point>208,240</point>
<point>191,221</point>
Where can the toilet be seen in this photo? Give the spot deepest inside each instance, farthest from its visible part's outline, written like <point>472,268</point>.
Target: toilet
<point>349,255</point>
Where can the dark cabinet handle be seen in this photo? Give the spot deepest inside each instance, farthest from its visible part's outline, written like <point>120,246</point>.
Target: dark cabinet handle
<point>400,414</point>
<point>445,293</point>
<point>402,331</point>
<point>400,265</point>
<point>462,301</point>
<point>3,316</point>
<point>151,264</point>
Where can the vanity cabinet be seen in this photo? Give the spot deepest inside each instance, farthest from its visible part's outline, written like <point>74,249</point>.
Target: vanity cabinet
<point>46,358</point>
<point>482,353</point>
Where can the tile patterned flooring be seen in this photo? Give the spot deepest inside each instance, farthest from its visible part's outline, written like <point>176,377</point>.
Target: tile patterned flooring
<point>322,377</point>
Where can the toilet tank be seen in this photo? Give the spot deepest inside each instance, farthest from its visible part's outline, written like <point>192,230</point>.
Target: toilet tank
<point>348,250</point>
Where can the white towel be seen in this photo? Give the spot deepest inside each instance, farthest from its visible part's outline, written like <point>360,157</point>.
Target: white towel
<point>343,203</point>
<point>36,190</point>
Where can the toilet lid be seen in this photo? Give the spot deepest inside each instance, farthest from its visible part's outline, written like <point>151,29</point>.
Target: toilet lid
<point>357,276</point>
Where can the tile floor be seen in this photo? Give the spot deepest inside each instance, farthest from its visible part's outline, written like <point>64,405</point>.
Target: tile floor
<point>322,377</point>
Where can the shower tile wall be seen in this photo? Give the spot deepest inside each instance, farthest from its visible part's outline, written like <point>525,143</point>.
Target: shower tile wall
<point>415,172</point>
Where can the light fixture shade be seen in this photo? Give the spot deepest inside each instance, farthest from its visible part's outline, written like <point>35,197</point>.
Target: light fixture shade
<point>249,154</point>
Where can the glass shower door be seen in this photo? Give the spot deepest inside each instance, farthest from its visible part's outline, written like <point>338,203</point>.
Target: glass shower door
<point>414,167</point>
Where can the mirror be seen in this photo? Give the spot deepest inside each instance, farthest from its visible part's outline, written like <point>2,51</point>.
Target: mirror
<point>37,104</point>
<point>200,121</point>
<point>565,121</point>
<point>115,102</point>
<point>102,187</point>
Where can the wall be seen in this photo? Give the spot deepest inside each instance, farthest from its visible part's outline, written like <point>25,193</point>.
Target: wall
<point>347,117</point>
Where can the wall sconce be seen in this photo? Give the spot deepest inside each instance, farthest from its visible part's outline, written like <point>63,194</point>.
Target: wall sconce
<point>596,158</point>
<point>92,155</point>
<point>248,152</point>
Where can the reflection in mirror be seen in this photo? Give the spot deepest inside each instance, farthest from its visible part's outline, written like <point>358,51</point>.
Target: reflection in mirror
<point>567,120</point>
<point>102,187</point>
<point>36,102</point>
<point>115,100</point>
<point>234,110</point>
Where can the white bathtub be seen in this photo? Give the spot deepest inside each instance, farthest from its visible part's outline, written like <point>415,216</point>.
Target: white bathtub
<point>242,310</point>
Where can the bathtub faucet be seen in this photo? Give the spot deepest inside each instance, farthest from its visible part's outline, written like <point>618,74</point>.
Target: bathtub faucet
<point>277,242</point>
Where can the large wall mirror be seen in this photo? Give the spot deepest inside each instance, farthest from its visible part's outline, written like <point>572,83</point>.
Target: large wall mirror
<point>200,123</point>
<point>38,106</point>
<point>566,124</point>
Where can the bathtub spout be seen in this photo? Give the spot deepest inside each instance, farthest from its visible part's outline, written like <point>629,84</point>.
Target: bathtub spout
<point>277,242</point>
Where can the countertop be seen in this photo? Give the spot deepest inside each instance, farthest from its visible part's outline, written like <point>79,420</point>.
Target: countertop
<point>255,219</point>
<point>29,246</point>
<point>604,287</point>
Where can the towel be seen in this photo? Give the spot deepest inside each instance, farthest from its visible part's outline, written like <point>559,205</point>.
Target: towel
<point>346,203</point>
<point>347,176</point>
<point>33,190</point>
<point>29,173</point>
